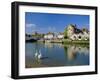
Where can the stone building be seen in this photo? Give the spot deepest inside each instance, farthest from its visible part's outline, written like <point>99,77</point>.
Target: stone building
<point>60,36</point>
<point>49,35</point>
<point>74,33</point>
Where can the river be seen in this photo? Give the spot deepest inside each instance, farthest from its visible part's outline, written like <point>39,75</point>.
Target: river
<point>55,54</point>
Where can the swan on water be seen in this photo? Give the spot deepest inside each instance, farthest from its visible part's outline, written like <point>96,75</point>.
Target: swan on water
<point>39,55</point>
<point>36,54</point>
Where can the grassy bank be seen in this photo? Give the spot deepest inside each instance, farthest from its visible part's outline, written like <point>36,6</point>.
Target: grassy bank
<point>66,41</point>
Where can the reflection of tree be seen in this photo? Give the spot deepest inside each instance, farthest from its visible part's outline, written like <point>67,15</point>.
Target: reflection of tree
<point>65,49</point>
<point>72,51</point>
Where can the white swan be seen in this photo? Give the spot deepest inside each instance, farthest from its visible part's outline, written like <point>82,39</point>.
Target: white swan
<point>39,55</point>
<point>36,54</point>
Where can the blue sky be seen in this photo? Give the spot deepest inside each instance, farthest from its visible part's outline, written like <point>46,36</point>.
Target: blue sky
<point>47,22</point>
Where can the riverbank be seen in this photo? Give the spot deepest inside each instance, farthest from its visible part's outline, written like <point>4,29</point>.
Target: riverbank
<point>66,41</point>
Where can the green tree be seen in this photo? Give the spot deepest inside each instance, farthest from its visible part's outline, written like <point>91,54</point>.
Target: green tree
<point>65,33</point>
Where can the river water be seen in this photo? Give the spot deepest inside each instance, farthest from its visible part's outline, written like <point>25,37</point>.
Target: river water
<point>55,54</point>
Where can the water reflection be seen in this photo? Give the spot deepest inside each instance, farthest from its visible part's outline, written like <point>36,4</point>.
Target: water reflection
<point>55,54</point>
<point>72,51</point>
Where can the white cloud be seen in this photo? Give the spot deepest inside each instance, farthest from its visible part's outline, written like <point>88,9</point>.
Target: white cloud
<point>29,25</point>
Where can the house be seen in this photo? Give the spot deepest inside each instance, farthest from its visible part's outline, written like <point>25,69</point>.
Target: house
<point>74,33</point>
<point>80,36</point>
<point>74,37</point>
<point>49,36</point>
<point>72,29</point>
<point>86,33</point>
<point>60,36</point>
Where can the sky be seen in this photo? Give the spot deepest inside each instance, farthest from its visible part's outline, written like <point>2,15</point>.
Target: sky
<point>48,22</point>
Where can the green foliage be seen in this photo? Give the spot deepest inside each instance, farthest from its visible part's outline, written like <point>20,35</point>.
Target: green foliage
<point>65,33</point>
<point>67,41</point>
<point>38,35</point>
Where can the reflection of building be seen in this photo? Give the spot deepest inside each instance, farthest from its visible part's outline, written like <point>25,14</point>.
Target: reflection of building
<point>72,51</point>
<point>51,45</point>
<point>74,33</point>
<point>48,45</point>
<point>83,50</point>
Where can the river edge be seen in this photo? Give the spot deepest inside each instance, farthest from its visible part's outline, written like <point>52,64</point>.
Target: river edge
<point>65,41</point>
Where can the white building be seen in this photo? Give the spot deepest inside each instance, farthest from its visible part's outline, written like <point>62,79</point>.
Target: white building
<point>48,36</point>
<point>74,37</point>
<point>74,33</point>
<point>86,35</point>
<point>80,36</point>
<point>60,36</point>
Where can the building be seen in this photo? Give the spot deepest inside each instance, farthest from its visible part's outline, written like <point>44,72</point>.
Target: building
<point>60,36</point>
<point>49,36</point>
<point>74,33</point>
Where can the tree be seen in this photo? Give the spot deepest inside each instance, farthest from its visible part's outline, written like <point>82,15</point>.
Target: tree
<point>65,33</point>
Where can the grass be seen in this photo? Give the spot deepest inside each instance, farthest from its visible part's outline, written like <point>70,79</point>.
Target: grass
<point>66,41</point>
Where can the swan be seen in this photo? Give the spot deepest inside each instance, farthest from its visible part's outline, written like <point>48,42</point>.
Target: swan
<point>36,54</point>
<point>39,55</point>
